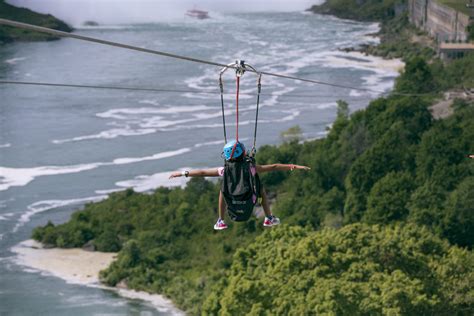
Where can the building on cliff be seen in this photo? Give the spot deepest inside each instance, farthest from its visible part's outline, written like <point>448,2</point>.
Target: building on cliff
<point>442,22</point>
<point>448,26</point>
<point>454,50</point>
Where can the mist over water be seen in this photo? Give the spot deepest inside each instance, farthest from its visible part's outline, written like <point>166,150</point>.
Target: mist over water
<point>76,12</point>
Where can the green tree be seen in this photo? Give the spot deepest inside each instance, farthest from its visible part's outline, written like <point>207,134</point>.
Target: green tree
<point>356,270</point>
<point>417,78</point>
<point>458,223</point>
<point>470,30</point>
<point>388,198</point>
<point>108,242</point>
<point>293,134</point>
<point>390,154</point>
<point>342,109</point>
<point>440,157</point>
<point>426,205</point>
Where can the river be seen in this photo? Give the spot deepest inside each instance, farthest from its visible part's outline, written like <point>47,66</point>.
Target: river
<point>63,147</point>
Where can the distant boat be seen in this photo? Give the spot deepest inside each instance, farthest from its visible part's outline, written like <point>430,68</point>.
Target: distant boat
<point>198,14</point>
<point>90,23</point>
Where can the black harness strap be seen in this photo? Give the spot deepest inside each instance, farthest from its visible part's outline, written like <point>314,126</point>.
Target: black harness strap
<point>222,106</point>
<point>259,89</point>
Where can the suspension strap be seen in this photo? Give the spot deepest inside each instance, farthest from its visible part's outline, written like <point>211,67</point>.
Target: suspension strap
<point>236,116</point>
<point>259,89</point>
<point>221,85</point>
<point>237,108</point>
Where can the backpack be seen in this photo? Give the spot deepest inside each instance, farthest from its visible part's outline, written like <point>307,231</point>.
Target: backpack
<point>240,188</point>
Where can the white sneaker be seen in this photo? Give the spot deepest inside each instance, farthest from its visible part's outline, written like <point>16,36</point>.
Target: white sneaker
<point>220,225</point>
<point>269,222</point>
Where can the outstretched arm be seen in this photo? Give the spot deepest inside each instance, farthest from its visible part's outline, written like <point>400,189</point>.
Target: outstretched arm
<point>195,173</point>
<point>279,166</point>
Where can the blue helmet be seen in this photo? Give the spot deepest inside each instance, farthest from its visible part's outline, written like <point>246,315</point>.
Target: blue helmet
<point>239,149</point>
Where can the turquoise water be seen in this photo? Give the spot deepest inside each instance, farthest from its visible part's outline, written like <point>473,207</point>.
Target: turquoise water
<point>62,147</point>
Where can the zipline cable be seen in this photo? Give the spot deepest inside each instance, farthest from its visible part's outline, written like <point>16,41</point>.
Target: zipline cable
<point>49,84</point>
<point>104,42</point>
<point>62,85</point>
<point>171,55</point>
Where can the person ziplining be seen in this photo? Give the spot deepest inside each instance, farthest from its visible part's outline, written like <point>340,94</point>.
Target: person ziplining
<point>241,187</point>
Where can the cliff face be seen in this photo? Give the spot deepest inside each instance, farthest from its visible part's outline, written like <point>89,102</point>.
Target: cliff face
<point>11,34</point>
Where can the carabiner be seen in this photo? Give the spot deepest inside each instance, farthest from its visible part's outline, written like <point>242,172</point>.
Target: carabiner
<point>239,67</point>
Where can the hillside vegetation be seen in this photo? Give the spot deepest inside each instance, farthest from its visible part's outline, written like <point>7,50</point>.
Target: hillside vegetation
<point>397,182</point>
<point>357,270</point>
<point>361,10</point>
<point>9,34</point>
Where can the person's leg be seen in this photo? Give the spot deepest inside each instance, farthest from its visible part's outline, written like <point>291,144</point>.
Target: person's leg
<point>266,207</point>
<point>222,206</point>
<point>220,224</point>
<point>269,220</point>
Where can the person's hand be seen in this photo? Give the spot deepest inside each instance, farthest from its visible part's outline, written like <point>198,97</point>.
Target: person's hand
<point>293,167</point>
<point>471,156</point>
<point>175,175</point>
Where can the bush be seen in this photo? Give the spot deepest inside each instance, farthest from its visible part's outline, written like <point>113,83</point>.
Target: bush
<point>357,270</point>
<point>388,198</point>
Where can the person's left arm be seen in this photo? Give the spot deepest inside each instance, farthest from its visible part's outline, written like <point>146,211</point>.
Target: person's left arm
<point>196,173</point>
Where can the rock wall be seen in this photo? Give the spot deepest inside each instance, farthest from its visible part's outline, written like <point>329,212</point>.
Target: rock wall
<point>441,22</point>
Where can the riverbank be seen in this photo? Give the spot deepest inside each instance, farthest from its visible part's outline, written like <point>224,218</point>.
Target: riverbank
<point>78,266</point>
<point>10,34</point>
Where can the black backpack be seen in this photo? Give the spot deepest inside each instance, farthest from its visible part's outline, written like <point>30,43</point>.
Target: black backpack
<point>240,188</point>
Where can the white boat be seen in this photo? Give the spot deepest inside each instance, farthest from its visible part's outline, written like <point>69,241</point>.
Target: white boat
<point>198,14</point>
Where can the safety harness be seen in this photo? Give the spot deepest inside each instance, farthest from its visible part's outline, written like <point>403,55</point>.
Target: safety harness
<point>241,185</point>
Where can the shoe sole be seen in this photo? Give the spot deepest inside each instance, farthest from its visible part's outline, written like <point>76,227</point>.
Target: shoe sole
<point>219,228</point>
<point>272,224</point>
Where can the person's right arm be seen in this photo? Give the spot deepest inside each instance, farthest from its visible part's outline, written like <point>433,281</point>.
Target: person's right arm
<point>279,167</point>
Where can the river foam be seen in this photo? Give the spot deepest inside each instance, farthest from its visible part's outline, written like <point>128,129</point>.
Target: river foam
<point>43,206</point>
<point>10,177</point>
<point>14,61</point>
<point>146,183</point>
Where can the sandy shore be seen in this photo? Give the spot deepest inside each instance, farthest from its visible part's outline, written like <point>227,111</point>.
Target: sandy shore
<point>73,265</point>
<point>78,266</point>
